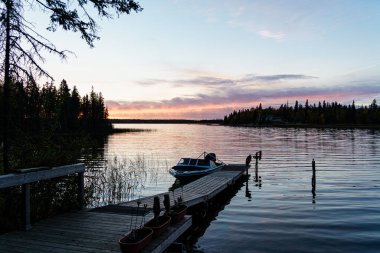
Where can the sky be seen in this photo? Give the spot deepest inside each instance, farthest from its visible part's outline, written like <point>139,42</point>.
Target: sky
<point>192,59</point>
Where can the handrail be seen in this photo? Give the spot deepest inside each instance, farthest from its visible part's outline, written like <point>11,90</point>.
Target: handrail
<point>40,173</point>
<point>27,176</point>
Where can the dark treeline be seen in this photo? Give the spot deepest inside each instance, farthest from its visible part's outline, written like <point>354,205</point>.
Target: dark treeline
<point>37,109</point>
<point>45,123</point>
<point>322,113</point>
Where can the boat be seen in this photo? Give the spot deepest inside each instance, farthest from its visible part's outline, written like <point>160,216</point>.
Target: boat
<point>192,168</point>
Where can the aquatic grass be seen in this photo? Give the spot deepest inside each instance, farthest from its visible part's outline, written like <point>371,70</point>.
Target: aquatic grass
<point>121,179</point>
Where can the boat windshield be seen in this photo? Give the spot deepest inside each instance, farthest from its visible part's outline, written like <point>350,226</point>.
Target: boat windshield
<point>203,162</point>
<point>184,161</point>
<point>196,162</point>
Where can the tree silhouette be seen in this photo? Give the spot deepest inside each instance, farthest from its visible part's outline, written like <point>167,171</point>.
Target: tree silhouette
<point>22,47</point>
<point>323,114</point>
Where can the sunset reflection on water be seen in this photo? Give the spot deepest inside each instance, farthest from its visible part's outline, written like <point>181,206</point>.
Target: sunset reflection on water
<point>343,215</point>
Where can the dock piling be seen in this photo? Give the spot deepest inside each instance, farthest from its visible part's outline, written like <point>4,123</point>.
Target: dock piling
<point>248,160</point>
<point>247,163</point>
<point>257,171</point>
<point>26,210</point>
<point>257,157</point>
<point>313,179</point>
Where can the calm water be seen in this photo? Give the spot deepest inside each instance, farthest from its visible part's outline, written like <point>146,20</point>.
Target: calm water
<point>280,214</point>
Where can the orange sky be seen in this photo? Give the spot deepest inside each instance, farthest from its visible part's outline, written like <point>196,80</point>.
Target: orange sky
<point>219,108</point>
<point>202,61</point>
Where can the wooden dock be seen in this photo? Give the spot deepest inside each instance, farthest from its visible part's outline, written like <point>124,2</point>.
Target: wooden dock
<point>99,231</point>
<point>200,190</point>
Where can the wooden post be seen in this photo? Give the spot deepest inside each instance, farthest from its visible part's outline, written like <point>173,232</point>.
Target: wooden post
<point>256,171</point>
<point>26,199</point>
<point>247,162</point>
<point>257,157</point>
<point>81,189</point>
<point>313,179</point>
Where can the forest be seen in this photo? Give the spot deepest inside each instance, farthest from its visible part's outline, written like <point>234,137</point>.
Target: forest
<point>320,114</point>
<point>47,125</point>
<point>37,109</point>
<point>45,122</point>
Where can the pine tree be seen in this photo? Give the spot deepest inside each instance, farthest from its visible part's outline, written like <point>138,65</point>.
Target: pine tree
<point>22,47</point>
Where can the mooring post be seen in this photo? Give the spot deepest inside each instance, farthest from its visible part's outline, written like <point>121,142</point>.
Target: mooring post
<point>26,199</point>
<point>167,202</point>
<point>81,189</point>
<point>256,171</point>
<point>156,206</point>
<point>257,157</point>
<point>247,163</point>
<point>313,179</point>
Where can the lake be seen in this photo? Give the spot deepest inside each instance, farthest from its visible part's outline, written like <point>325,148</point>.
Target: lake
<point>279,213</point>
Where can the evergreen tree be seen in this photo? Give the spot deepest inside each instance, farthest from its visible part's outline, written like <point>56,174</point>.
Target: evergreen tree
<point>74,110</point>
<point>22,47</point>
<point>323,114</point>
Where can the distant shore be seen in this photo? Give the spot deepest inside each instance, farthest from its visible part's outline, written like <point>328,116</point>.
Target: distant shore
<point>220,122</point>
<point>166,121</point>
<point>293,125</point>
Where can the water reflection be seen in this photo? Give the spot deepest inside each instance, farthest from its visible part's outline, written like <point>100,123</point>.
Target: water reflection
<point>257,180</point>
<point>120,179</point>
<point>313,181</point>
<point>204,214</point>
<point>348,189</point>
<point>248,193</point>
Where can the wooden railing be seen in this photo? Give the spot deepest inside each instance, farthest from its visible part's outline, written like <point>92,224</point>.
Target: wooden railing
<point>26,176</point>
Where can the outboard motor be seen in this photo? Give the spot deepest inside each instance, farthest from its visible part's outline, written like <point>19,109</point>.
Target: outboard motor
<point>211,157</point>
<point>248,160</point>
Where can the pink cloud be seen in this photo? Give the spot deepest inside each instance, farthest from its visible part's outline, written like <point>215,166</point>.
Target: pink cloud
<point>226,95</point>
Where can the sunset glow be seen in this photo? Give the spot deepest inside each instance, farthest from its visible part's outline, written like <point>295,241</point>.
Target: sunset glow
<point>183,59</point>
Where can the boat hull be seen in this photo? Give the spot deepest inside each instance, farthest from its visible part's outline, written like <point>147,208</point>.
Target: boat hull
<point>191,174</point>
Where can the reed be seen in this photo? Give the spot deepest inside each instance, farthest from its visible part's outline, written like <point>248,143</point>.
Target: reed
<point>121,179</point>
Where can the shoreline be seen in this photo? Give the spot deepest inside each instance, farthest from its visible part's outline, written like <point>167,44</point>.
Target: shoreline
<point>165,121</point>
<point>220,123</point>
<point>335,126</point>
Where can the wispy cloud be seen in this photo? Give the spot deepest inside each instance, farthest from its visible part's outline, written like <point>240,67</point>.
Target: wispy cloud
<point>275,78</point>
<point>272,35</point>
<point>203,106</point>
<point>205,80</point>
<point>202,80</point>
<point>218,82</point>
